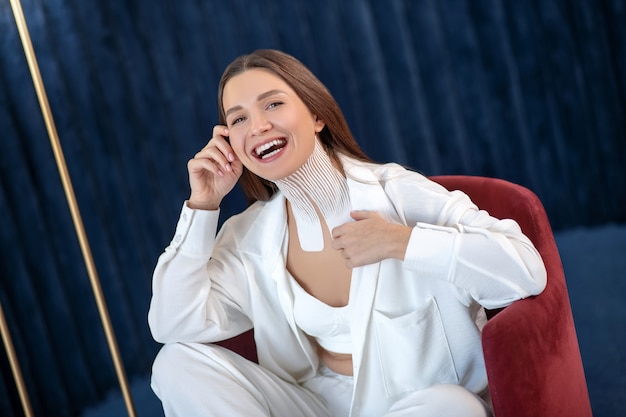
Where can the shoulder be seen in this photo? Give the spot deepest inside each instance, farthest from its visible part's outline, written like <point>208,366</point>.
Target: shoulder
<point>392,177</point>
<point>257,219</point>
<point>250,214</point>
<point>413,195</point>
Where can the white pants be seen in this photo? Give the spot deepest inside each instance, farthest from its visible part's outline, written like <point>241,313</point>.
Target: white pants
<point>205,380</point>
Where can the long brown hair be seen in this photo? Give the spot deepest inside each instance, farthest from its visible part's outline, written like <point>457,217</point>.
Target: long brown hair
<point>335,136</point>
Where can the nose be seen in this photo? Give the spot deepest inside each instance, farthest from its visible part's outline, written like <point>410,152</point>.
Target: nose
<point>260,125</point>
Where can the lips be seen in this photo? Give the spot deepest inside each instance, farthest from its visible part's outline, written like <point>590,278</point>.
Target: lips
<point>269,149</point>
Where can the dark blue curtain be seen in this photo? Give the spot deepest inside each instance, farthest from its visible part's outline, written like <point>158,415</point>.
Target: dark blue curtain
<point>532,91</point>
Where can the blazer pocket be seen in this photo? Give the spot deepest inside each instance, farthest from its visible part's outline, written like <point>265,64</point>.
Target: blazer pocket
<point>413,350</point>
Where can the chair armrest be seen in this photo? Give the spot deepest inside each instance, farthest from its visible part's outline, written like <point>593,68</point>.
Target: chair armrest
<point>532,358</point>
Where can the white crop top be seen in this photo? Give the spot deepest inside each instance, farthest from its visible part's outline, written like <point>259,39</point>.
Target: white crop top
<point>330,326</point>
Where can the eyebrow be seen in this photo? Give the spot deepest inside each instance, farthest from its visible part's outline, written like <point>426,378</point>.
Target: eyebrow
<point>261,96</point>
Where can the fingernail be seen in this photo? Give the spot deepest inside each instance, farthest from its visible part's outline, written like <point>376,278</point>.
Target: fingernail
<point>231,157</point>
<point>220,173</point>
<point>228,168</point>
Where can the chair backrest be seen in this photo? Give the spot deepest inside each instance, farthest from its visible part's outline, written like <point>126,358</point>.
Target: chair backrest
<point>531,350</point>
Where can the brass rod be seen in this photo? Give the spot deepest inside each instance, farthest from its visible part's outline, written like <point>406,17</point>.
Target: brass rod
<point>15,367</point>
<point>71,200</point>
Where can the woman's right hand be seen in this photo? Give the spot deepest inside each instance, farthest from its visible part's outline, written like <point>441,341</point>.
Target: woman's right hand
<point>213,172</point>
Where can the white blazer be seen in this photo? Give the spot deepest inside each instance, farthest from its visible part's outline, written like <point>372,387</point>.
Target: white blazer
<point>416,322</point>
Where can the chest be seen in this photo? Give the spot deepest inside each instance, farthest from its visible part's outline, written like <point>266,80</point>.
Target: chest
<point>322,274</point>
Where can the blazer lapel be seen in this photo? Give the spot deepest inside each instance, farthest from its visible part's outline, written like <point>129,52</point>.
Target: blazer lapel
<point>266,240</point>
<point>365,194</point>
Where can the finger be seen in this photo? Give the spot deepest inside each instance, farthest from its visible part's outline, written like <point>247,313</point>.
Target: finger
<point>219,151</point>
<point>220,131</point>
<point>344,255</point>
<point>360,214</point>
<point>214,157</point>
<point>219,142</point>
<point>349,263</point>
<point>336,233</point>
<point>220,134</point>
<point>341,230</point>
<point>197,165</point>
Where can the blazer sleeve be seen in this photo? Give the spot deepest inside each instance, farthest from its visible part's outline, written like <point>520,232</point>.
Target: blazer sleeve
<point>189,301</point>
<point>452,240</point>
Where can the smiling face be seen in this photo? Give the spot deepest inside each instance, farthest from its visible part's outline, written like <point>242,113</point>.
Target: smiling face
<point>271,130</point>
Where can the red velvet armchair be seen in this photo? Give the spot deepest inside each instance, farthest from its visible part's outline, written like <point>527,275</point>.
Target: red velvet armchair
<point>531,349</point>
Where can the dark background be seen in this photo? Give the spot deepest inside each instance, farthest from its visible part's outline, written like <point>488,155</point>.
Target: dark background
<point>532,91</point>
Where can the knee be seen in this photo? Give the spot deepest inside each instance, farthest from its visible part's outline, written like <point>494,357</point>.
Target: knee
<point>462,402</point>
<point>446,399</point>
<point>164,363</point>
<point>175,362</point>
<point>446,391</point>
<point>164,366</point>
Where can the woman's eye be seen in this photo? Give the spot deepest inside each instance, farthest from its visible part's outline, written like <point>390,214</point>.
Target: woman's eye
<point>236,121</point>
<point>274,104</point>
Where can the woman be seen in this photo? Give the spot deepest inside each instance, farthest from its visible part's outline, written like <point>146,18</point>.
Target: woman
<point>365,283</point>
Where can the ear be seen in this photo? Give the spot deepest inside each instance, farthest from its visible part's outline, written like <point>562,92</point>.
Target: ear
<point>319,124</point>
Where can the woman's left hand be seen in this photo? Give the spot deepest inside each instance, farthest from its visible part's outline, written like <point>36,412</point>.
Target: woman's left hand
<point>370,239</point>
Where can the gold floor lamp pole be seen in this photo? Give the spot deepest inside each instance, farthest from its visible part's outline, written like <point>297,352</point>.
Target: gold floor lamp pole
<point>17,374</point>
<point>76,217</point>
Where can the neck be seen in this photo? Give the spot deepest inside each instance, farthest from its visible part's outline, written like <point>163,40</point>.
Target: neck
<point>316,184</point>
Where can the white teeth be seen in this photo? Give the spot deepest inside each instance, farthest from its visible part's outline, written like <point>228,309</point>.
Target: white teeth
<point>274,152</point>
<point>263,148</point>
